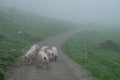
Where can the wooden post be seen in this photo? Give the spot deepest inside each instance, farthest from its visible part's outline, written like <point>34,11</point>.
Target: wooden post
<point>68,39</point>
<point>85,52</point>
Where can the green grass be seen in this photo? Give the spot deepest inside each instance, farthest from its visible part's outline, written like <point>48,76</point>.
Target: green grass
<point>36,25</point>
<point>103,64</point>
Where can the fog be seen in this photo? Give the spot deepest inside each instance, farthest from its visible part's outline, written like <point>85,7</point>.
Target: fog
<point>80,11</point>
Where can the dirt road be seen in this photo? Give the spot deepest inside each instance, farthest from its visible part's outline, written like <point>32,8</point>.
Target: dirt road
<point>63,69</point>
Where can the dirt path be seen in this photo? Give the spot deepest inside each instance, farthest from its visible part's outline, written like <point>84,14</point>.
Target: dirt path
<point>63,69</point>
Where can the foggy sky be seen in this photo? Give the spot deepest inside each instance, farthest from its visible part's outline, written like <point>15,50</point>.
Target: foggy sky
<point>81,11</point>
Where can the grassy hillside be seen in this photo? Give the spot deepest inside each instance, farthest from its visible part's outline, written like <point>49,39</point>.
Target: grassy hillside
<point>103,60</point>
<point>34,28</point>
<point>37,25</point>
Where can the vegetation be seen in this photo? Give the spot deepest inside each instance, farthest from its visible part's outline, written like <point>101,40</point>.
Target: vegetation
<point>34,24</point>
<point>34,28</point>
<point>103,61</point>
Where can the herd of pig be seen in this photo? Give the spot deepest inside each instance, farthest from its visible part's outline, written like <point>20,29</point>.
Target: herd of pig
<point>43,55</point>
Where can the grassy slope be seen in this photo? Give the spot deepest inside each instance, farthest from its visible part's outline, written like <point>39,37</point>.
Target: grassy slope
<point>104,64</point>
<point>40,25</point>
<point>13,21</point>
<point>11,40</point>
